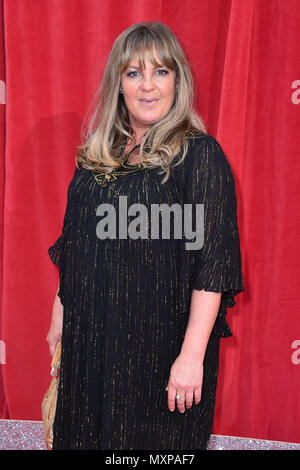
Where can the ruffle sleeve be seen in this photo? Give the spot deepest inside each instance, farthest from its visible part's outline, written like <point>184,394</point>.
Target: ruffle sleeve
<point>57,251</point>
<point>217,265</point>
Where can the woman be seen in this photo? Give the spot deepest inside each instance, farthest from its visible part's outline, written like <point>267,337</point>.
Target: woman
<point>141,308</point>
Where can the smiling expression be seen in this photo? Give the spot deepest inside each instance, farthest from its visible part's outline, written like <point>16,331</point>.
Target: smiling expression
<point>148,92</point>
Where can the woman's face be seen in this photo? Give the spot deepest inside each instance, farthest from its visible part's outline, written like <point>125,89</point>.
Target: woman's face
<point>148,93</point>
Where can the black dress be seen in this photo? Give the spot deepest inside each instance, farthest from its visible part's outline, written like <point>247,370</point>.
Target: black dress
<point>126,300</point>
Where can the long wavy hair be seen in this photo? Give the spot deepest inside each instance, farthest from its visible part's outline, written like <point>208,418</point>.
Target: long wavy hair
<point>109,126</point>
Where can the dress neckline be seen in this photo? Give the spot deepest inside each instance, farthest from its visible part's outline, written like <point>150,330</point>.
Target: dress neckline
<point>124,168</point>
<point>126,160</point>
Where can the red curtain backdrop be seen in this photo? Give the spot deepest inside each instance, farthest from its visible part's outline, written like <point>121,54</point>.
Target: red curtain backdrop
<point>245,57</point>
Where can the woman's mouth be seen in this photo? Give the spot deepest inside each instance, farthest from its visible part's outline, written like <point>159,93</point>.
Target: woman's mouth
<point>148,101</point>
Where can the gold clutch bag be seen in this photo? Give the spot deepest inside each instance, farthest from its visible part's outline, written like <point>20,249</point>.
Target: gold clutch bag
<point>50,398</point>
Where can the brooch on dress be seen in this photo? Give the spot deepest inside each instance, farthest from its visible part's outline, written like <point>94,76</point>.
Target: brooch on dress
<point>125,168</point>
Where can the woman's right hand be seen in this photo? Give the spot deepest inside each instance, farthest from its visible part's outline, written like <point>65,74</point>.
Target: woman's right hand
<point>55,330</point>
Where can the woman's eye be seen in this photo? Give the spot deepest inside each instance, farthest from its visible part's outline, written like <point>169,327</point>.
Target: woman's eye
<point>132,74</point>
<point>159,72</point>
<point>162,72</point>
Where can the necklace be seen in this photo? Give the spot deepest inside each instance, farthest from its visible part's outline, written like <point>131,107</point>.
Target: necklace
<point>124,169</point>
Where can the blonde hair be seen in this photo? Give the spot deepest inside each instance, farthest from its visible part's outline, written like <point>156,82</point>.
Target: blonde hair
<point>109,124</point>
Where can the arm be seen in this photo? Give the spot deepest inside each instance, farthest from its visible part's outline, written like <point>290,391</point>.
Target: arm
<point>208,180</point>
<point>187,371</point>
<point>203,313</point>
<point>55,330</point>
<point>56,253</point>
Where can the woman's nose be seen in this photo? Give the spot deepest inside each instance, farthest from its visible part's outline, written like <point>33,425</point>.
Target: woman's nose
<point>147,83</point>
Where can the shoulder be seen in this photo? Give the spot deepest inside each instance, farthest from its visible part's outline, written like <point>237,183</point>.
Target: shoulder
<point>77,178</point>
<point>203,142</point>
<point>205,152</point>
<point>79,170</point>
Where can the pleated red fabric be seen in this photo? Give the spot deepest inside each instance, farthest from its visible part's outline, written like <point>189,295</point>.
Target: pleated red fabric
<point>245,58</point>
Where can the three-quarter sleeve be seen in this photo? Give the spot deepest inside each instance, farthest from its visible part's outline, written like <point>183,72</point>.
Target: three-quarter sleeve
<point>217,265</point>
<point>56,250</point>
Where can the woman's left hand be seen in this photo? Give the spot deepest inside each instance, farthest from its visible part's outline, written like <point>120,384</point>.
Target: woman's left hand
<point>186,378</point>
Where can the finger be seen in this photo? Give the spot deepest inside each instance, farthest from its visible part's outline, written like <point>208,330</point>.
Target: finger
<point>171,398</point>
<point>181,401</point>
<point>189,398</point>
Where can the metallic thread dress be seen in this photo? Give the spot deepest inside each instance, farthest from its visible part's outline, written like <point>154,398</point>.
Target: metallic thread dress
<point>126,300</point>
